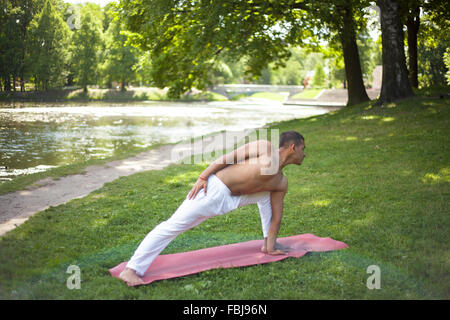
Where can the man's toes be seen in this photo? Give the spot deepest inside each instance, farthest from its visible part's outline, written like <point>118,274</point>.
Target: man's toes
<point>137,282</point>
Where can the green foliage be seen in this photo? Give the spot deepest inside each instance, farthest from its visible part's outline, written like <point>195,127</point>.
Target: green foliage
<point>447,64</point>
<point>142,68</point>
<point>120,57</point>
<point>333,53</point>
<point>319,76</point>
<point>432,19</point>
<point>49,37</point>
<point>295,68</point>
<point>221,73</point>
<point>187,39</point>
<point>197,44</point>
<point>9,44</point>
<point>86,44</point>
<point>369,55</point>
<point>432,44</point>
<point>237,70</point>
<point>15,18</point>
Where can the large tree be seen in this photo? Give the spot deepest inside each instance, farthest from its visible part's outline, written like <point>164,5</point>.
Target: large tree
<point>8,42</point>
<point>411,13</point>
<point>395,82</point>
<point>120,57</point>
<point>343,19</point>
<point>48,40</point>
<point>433,40</point>
<point>187,37</point>
<point>15,18</point>
<point>86,46</point>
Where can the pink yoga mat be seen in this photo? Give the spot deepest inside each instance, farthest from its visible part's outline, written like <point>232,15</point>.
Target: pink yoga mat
<point>229,256</point>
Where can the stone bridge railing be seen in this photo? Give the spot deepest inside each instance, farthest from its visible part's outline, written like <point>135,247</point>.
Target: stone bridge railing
<point>230,90</point>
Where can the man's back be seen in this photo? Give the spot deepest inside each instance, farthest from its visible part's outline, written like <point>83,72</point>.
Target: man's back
<point>246,177</point>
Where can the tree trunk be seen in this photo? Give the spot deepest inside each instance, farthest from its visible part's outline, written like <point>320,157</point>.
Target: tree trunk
<point>22,83</point>
<point>22,65</point>
<point>395,82</point>
<point>412,25</point>
<point>356,90</point>
<point>8,83</point>
<point>70,79</point>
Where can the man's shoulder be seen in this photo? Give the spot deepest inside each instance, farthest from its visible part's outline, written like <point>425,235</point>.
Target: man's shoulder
<point>281,184</point>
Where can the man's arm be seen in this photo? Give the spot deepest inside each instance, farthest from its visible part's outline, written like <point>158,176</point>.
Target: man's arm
<point>250,150</point>
<point>277,202</point>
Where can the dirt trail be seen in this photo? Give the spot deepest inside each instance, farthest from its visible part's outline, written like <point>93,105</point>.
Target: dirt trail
<point>17,207</point>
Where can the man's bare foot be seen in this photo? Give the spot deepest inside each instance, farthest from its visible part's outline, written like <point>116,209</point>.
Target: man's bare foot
<point>279,249</point>
<point>130,277</point>
<point>282,247</point>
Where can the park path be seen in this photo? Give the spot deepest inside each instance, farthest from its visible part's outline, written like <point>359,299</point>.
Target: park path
<point>16,207</point>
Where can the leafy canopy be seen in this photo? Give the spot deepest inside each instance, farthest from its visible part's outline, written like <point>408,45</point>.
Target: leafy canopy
<point>187,37</point>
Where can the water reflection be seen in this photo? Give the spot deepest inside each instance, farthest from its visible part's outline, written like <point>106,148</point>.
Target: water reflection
<point>35,137</point>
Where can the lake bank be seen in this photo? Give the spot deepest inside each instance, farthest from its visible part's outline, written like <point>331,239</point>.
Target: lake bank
<point>108,95</point>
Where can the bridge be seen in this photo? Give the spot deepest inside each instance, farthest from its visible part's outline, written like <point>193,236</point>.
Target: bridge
<point>231,90</point>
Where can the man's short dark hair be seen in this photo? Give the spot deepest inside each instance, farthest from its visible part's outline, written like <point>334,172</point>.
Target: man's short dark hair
<point>288,137</point>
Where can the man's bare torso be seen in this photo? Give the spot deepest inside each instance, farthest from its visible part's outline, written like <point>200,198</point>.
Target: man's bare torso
<point>246,177</point>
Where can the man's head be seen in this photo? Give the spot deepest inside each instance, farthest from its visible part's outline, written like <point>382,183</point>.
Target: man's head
<point>292,146</point>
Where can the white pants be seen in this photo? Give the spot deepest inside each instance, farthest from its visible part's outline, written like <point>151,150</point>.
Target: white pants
<point>217,201</point>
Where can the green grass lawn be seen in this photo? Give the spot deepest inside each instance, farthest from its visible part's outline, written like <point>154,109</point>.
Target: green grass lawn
<point>268,95</point>
<point>307,94</point>
<point>375,178</point>
<point>276,96</point>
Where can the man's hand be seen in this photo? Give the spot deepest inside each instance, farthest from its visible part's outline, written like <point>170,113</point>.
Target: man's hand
<point>200,184</point>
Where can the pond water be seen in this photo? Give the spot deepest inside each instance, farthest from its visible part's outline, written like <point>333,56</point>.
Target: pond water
<point>37,136</point>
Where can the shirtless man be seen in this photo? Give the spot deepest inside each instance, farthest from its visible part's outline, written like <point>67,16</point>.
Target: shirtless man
<point>238,178</point>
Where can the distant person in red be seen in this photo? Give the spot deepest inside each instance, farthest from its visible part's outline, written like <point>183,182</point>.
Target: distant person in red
<point>305,82</point>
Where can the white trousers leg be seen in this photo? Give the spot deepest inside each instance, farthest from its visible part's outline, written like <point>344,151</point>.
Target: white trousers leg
<point>157,239</point>
<point>190,213</point>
